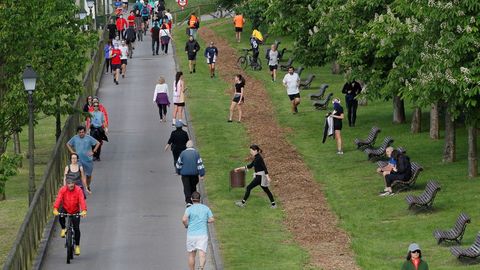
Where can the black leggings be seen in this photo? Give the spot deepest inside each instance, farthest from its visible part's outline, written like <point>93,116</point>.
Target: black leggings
<point>390,178</point>
<point>352,111</point>
<point>256,182</point>
<point>165,47</point>
<point>108,65</point>
<point>155,45</point>
<point>76,226</point>
<point>189,186</point>
<point>162,110</point>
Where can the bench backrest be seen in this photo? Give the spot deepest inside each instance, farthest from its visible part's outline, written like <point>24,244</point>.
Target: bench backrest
<point>401,150</point>
<point>309,78</point>
<point>327,100</point>
<point>476,244</point>
<point>289,62</point>
<point>461,224</point>
<point>386,143</point>
<point>299,71</point>
<point>430,191</point>
<point>373,134</point>
<point>416,169</point>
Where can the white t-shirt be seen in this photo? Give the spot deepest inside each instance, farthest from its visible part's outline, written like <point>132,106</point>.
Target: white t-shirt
<point>124,50</point>
<point>273,58</point>
<point>292,82</point>
<point>160,88</point>
<point>164,32</point>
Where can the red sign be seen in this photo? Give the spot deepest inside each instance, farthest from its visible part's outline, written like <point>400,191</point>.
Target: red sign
<point>182,3</point>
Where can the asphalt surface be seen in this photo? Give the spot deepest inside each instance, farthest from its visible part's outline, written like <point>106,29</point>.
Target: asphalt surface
<point>135,211</point>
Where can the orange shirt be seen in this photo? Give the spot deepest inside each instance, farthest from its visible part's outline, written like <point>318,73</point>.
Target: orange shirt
<point>238,21</point>
<point>192,21</point>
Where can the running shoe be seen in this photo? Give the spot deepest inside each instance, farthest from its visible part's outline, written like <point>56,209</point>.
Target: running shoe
<point>273,206</point>
<point>62,233</point>
<point>77,250</point>
<point>240,204</point>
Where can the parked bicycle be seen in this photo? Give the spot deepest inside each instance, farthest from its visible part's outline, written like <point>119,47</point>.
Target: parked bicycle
<point>246,60</point>
<point>69,235</point>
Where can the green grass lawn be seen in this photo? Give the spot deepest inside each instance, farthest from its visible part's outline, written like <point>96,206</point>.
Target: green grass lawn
<point>14,208</point>
<point>381,228</point>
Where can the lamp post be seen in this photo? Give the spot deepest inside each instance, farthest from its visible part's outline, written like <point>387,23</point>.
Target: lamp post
<point>82,14</point>
<point>91,5</point>
<point>29,81</point>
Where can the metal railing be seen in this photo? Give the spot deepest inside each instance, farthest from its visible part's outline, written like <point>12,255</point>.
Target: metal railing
<point>28,238</point>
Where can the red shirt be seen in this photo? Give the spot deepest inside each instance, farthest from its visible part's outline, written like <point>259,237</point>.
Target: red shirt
<point>73,201</point>
<point>131,20</point>
<point>121,24</point>
<point>116,53</point>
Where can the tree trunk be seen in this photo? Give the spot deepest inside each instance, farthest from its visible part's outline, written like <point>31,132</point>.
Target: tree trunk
<point>416,126</point>
<point>16,143</point>
<point>335,68</point>
<point>3,196</point>
<point>449,147</point>
<point>398,110</point>
<point>434,123</point>
<point>472,152</point>
<point>58,121</point>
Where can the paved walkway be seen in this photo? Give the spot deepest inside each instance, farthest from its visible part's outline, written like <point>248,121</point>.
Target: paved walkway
<point>134,213</point>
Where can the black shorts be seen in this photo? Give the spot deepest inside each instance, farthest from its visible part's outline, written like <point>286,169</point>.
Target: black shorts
<point>273,67</point>
<point>236,99</point>
<point>238,29</point>
<point>145,19</point>
<point>124,61</point>
<point>294,96</point>
<point>337,125</point>
<point>116,66</point>
<point>192,57</point>
<point>181,104</point>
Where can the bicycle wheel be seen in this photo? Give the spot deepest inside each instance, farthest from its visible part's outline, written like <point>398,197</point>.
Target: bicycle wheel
<point>69,239</point>
<point>242,62</point>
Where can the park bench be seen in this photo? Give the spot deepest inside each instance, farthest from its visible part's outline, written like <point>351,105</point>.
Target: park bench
<point>375,154</point>
<point>383,163</point>
<point>299,71</point>
<point>286,65</point>
<point>320,93</point>
<point>323,104</point>
<point>471,252</point>
<point>403,185</point>
<point>306,83</point>
<point>369,141</point>
<point>454,234</point>
<point>425,200</point>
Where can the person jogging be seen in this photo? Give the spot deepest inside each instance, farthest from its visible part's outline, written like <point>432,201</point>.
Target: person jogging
<point>130,37</point>
<point>272,57</point>
<point>211,53</point>
<point>71,198</point>
<point>196,219</point>
<point>260,177</point>
<point>121,24</point>
<point>191,48</point>
<point>177,141</point>
<point>124,58</point>
<point>190,167</point>
<point>108,63</point>
<point>291,81</point>
<point>238,22</point>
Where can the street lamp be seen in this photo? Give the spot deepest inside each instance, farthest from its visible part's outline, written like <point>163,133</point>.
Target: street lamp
<point>91,5</point>
<point>29,81</point>
<point>82,14</point>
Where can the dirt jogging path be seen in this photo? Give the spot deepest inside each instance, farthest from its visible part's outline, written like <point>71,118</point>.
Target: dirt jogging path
<point>308,215</point>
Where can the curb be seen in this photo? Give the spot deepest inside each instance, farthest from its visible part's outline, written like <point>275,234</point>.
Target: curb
<point>212,235</point>
<point>42,249</point>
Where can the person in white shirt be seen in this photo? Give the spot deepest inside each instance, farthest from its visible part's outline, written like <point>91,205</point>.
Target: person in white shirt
<point>291,81</point>
<point>160,97</point>
<point>272,56</point>
<point>124,57</point>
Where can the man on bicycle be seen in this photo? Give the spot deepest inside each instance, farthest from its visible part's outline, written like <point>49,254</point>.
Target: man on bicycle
<point>73,202</point>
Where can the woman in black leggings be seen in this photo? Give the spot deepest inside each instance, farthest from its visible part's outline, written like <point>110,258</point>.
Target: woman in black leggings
<point>260,177</point>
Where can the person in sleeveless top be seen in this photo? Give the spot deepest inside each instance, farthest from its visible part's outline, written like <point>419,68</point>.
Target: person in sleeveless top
<point>75,172</point>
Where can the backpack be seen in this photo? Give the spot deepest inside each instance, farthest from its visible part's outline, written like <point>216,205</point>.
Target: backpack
<point>145,12</point>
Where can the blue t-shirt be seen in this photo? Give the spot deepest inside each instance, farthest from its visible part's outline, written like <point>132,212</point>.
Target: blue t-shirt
<point>97,119</point>
<point>198,215</point>
<point>392,161</point>
<point>83,146</point>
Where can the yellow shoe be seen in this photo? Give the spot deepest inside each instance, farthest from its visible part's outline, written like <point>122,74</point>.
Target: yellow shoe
<point>62,233</point>
<point>77,250</point>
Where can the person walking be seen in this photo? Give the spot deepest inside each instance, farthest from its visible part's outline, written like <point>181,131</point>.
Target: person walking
<point>272,57</point>
<point>112,30</point>
<point>169,18</point>
<point>124,58</point>
<point>82,145</point>
<point>74,171</point>
<point>177,141</point>
<point>193,25</point>
<point>71,198</point>
<point>191,48</point>
<point>260,177</point>
<point>155,32</point>
<point>414,259</point>
<point>121,24</point>
<point>238,22</point>
<point>337,116</point>
<point>190,166</point>
<point>196,219</point>
<point>211,53</point>
<point>97,127</point>
<point>139,25</point>
<point>108,47</point>
<point>255,44</point>
<point>165,37</point>
<point>291,81</point>
<point>130,37</point>
<point>160,97</point>
<point>178,98</point>
<point>351,90</point>
<point>238,97</point>
<point>88,103</point>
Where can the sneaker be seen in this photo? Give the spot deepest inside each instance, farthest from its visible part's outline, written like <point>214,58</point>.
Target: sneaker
<point>386,193</point>
<point>190,72</point>
<point>123,75</point>
<point>340,153</point>
<point>116,82</point>
<point>193,70</point>
<point>240,204</point>
<point>273,206</point>
<point>62,233</point>
<point>229,121</point>
<point>77,250</point>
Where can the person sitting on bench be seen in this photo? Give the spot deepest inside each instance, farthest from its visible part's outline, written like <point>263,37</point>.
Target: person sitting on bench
<point>401,172</point>
<point>390,165</point>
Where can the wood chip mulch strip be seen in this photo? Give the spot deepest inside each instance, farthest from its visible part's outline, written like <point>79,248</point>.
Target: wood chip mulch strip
<point>308,215</point>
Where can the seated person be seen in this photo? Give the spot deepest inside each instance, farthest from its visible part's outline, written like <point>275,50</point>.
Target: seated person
<point>401,172</point>
<point>391,162</point>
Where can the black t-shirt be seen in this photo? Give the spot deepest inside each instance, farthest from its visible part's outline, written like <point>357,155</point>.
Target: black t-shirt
<point>238,87</point>
<point>178,140</point>
<point>155,32</point>
<point>112,30</point>
<point>258,164</point>
<point>338,111</point>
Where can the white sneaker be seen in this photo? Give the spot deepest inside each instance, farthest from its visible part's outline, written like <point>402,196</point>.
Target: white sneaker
<point>340,153</point>
<point>240,204</point>
<point>273,206</point>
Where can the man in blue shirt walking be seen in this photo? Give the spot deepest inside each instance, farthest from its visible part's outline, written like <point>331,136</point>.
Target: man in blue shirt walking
<point>196,219</point>
<point>190,167</point>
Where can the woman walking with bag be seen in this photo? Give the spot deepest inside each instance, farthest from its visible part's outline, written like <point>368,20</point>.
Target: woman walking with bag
<point>160,97</point>
<point>165,37</point>
<point>178,98</point>
<point>260,177</point>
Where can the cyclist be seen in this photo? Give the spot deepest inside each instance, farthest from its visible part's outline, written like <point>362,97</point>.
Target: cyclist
<point>73,202</point>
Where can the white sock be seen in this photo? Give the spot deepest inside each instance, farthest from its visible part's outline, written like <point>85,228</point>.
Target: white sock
<point>173,121</point>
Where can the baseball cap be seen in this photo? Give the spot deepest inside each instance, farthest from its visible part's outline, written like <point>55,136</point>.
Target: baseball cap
<point>69,180</point>
<point>413,247</point>
<point>178,124</point>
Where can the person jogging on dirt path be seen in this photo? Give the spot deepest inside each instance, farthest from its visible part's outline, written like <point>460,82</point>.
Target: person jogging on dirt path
<point>272,57</point>
<point>260,177</point>
<point>177,141</point>
<point>195,220</point>
<point>211,53</point>
<point>71,198</point>
<point>238,22</point>
<point>291,81</point>
<point>191,48</point>
<point>190,167</point>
